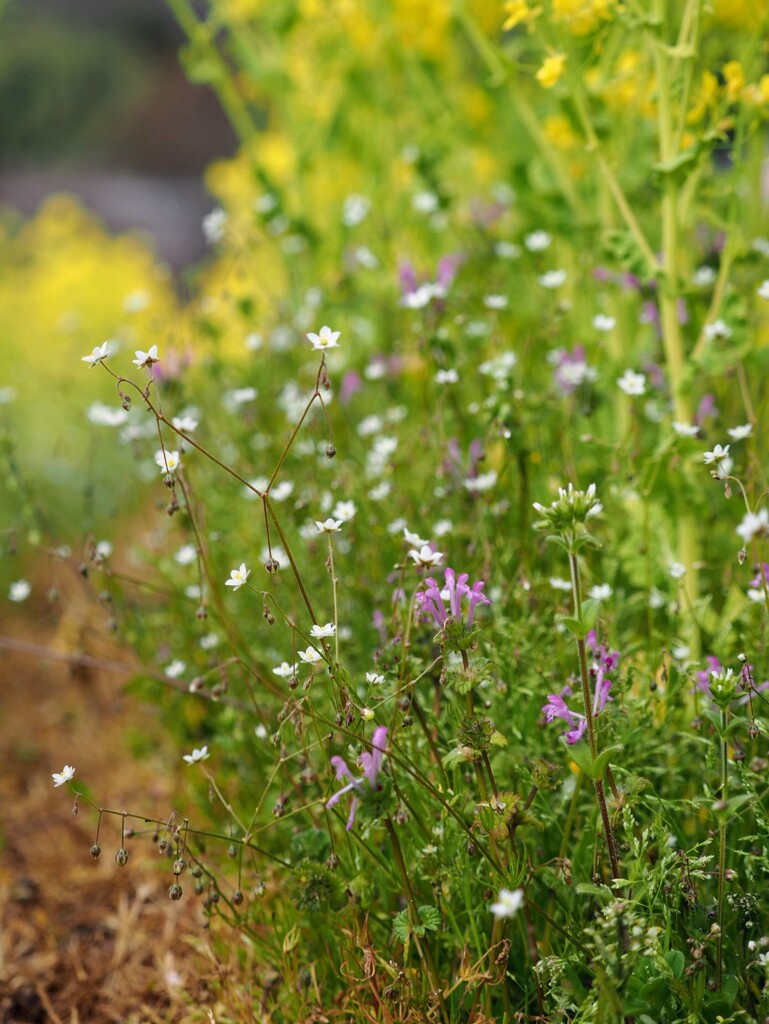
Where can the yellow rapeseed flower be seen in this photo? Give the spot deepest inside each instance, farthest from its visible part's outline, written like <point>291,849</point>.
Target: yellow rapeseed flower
<point>705,97</point>
<point>734,77</point>
<point>518,12</point>
<point>582,16</point>
<point>557,129</point>
<point>551,70</point>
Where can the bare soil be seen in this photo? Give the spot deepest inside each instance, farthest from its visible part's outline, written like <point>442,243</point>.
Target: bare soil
<point>84,940</point>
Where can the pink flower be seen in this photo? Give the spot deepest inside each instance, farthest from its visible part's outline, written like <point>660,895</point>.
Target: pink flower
<point>372,765</point>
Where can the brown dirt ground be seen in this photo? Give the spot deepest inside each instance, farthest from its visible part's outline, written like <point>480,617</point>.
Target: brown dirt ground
<point>84,941</point>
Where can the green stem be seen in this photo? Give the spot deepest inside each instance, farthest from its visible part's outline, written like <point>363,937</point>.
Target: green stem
<point>423,944</point>
<point>722,852</point>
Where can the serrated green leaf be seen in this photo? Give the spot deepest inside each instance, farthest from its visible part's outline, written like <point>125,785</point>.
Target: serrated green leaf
<point>497,739</point>
<point>401,926</point>
<point>588,889</point>
<point>431,920</point>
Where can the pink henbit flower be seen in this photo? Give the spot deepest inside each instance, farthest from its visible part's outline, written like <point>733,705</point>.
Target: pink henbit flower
<point>372,765</point>
<point>431,601</point>
<point>604,661</point>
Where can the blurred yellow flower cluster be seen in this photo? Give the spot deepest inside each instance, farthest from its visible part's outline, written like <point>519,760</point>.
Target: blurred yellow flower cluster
<point>581,17</point>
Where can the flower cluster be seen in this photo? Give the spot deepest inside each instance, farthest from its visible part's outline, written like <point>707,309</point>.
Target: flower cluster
<point>604,662</point>
<point>432,600</point>
<point>571,509</point>
<point>372,765</point>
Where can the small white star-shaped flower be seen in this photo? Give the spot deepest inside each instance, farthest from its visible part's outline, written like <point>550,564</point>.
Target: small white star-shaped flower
<point>677,570</point>
<point>198,754</point>
<point>146,358</point>
<point>329,526</point>
<point>375,678</point>
<point>344,510</point>
<point>426,557</point>
<point>238,577</point>
<point>168,462</point>
<point>59,778</point>
<point>685,429</point>
<point>310,656</point>
<point>632,383</point>
<point>741,432</point>
<point>284,670</point>
<point>326,338</point>
<point>754,524</point>
<point>322,631</point>
<point>509,903</point>
<point>719,453</point>
<point>98,355</point>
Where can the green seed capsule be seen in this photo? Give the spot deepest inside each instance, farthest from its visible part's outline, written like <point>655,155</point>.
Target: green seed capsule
<point>122,857</point>
<point>180,866</point>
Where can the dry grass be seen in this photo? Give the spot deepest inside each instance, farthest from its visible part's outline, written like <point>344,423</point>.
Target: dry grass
<point>82,940</point>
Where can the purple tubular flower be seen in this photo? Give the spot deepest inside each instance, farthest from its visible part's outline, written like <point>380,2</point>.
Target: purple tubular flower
<point>372,765</point>
<point>558,708</point>
<point>432,600</point>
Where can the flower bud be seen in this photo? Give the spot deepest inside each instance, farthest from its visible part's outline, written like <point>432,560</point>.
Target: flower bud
<point>237,897</point>
<point>175,891</point>
<point>121,857</point>
<point>180,866</point>
<point>95,851</point>
<point>330,451</point>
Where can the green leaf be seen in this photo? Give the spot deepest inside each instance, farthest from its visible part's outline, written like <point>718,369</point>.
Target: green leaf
<point>674,958</point>
<point>430,918</point>
<point>588,889</point>
<point>574,626</point>
<point>401,926</point>
<point>590,609</point>
<point>580,755</point>
<point>601,763</point>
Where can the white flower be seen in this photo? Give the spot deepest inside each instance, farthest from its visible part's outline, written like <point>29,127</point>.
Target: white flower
<point>59,778</point>
<point>146,358</point>
<point>329,526</point>
<point>318,632</point>
<point>344,510</point>
<point>325,339</point>
<point>446,376</point>
<point>366,714</point>
<point>19,591</point>
<point>186,423</point>
<point>186,554</point>
<point>632,383</point>
<point>426,557</point>
<point>168,462</point>
<point>239,396</point>
<point>602,322</point>
<point>677,570</point>
<point>198,754</point>
<point>718,329</point>
<point>740,433</point>
<point>102,415</point>
<point>380,492</point>
<point>175,668</point>
<point>98,355</point>
<point>442,527</point>
<point>103,549</point>
<point>284,670</point>
<point>210,641</point>
<point>537,241</point>
<point>507,250</point>
<point>685,429</point>
<point>238,577</point>
<point>495,301</point>
<point>560,584</point>
<point>761,245</point>
<point>414,539</point>
<point>719,453</point>
<point>355,210</point>
<point>509,903</point>
<point>552,278</point>
<point>703,276</point>
<point>763,290</point>
<point>425,202</point>
<point>754,524</point>
<point>214,224</point>
<point>374,678</point>
<point>310,656</point>
<point>600,592</point>
<point>482,482</point>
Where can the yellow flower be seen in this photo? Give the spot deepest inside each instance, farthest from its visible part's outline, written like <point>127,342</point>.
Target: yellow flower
<point>705,97</point>
<point>558,130</point>
<point>734,77</point>
<point>519,13</point>
<point>551,70</point>
<point>582,16</point>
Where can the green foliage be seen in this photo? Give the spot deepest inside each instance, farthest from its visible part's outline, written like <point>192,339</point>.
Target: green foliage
<point>508,333</point>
